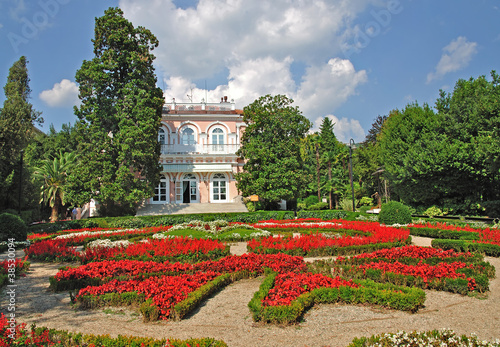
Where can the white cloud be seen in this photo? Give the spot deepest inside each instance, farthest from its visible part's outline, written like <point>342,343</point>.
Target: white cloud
<point>63,94</point>
<point>252,49</point>
<point>344,129</point>
<point>324,88</point>
<point>456,55</point>
<point>199,42</point>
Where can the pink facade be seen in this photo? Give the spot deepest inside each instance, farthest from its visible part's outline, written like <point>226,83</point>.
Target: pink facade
<point>199,142</point>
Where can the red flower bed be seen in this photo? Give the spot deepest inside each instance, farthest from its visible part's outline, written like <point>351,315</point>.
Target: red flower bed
<point>425,271</point>
<point>17,335</point>
<point>114,268</point>
<point>289,286</point>
<point>19,265</point>
<point>52,250</point>
<point>254,263</point>
<point>415,252</point>
<point>165,291</point>
<point>340,224</point>
<point>377,234</point>
<point>99,233</point>
<point>486,235</point>
<point>135,268</point>
<point>165,248</point>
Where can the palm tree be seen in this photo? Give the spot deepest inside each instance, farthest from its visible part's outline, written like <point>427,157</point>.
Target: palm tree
<point>53,172</point>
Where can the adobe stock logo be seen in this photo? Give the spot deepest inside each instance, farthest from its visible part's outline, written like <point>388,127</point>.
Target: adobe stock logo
<point>371,29</point>
<point>30,27</point>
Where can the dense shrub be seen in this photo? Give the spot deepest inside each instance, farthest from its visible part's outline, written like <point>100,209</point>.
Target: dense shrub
<point>310,200</point>
<point>433,211</point>
<point>12,226</point>
<point>394,212</point>
<point>318,206</point>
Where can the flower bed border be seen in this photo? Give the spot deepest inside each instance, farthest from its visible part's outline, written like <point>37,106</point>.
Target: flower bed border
<point>369,292</point>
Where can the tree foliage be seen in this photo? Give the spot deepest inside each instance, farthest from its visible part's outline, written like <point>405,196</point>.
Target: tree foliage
<point>449,158</point>
<point>274,168</point>
<point>332,151</point>
<point>119,117</point>
<point>17,120</point>
<point>53,173</point>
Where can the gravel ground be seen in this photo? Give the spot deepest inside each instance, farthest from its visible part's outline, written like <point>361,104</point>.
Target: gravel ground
<point>226,316</point>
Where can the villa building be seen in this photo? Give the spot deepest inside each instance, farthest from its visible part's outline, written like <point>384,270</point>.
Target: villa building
<point>198,152</point>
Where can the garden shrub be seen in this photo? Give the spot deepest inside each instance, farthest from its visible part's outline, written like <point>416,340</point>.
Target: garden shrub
<point>64,338</point>
<point>433,211</point>
<point>427,338</point>
<point>365,201</point>
<point>310,200</point>
<point>491,250</point>
<point>394,212</point>
<point>12,227</point>
<point>318,206</point>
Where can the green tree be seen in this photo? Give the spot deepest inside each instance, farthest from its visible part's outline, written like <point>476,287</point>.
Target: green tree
<point>471,120</point>
<point>415,153</point>
<point>369,165</point>
<point>119,118</point>
<point>53,173</point>
<point>331,153</point>
<point>17,120</point>
<point>271,147</point>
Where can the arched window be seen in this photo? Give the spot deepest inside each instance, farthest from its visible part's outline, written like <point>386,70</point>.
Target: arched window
<point>217,140</point>
<point>218,136</point>
<point>187,137</point>
<point>162,136</point>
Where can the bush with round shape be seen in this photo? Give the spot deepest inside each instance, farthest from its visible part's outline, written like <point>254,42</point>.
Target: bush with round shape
<point>394,212</point>
<point>12,227</point>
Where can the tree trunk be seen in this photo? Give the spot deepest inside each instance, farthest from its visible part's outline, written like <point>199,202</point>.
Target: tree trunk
<point>54,216</point>
<point>330,179</point>
<point>318,172</point>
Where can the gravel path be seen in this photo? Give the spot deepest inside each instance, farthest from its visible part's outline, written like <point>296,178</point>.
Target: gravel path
<point>226,315</point>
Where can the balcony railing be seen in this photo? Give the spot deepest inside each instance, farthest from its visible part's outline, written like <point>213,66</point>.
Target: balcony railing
<point>199,149</point>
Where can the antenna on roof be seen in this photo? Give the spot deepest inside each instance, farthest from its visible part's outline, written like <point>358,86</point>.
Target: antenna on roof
<point>190,97</point>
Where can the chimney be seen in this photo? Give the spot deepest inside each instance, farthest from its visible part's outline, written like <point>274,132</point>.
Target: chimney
<point>225,98</point>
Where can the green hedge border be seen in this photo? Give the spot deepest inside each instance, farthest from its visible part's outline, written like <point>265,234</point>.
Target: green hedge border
<point>71,339</point>
<point>466,246</point>
<point>385,295</point>
<point>334,251</point>
<point>151,221</point>
<point>150,311</point>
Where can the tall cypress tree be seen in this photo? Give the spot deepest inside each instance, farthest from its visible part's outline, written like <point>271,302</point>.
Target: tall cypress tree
<point>17,119</point>
<point>119,117</point>
<point>331,150</point>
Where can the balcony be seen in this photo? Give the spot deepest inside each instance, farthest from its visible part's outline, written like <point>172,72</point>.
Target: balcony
<point>199,149</point>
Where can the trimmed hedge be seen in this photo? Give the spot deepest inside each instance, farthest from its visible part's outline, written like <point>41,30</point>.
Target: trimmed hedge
<point>147,308</point>
<point>394,212</point>
<point>466,246</point>
<point>195,298</point>
<point>436,233</point>
<point>150,221</point>
<point>386,295</point>
<point>70,339</point>
<point>333,251</point>
<point>427,338</point>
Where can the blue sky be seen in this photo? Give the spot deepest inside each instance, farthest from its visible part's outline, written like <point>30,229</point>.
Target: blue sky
<point>347,60</point>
